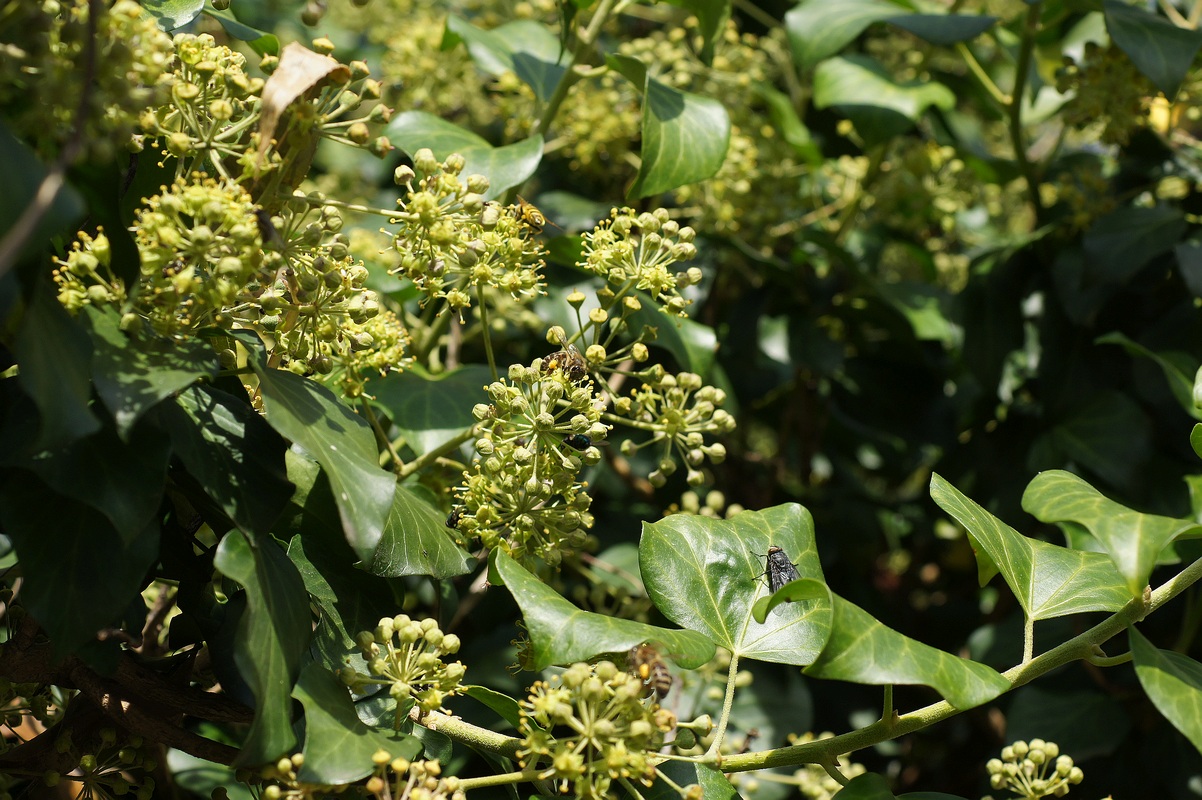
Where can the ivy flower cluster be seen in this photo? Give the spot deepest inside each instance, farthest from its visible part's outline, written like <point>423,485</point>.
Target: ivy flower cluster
<point>814,782</point>
<point>286,783</point>
<point>107,771</point>
<point>679,411</point>
<point>401,779</point>
<point>536,435</point>
<point>589,727</point>
<point>1108,93</point>
<point>407,656</point>
<point>453,243</point>
<point>634,251</point>
<point>43,47</point>
<point>1034,769</point>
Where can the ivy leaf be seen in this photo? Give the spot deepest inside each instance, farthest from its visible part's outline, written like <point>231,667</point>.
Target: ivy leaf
<point>1133,540</point>
<point>879,107</point>
<point>1162,51</point>
<point>1087,723</point>
<point>788,124</point>
<point>23,176</point>
<point>1179,369</point>
<point>272,636</point>
<point>524,47</point>
<point>133,377</point>
<point>561,633</point>
<point>693,344</point>
<point>1120,243</point>
<point>430,410</point>
<point>705,575</point>
<point>263,43</point>
<point>173,14</point>
<point>871,786</point>
<point>338,747</point>
<point>714,785</point>
<point>818,29</point>
<point>415,541</point>
<point>1195,439</point>
<point>791,592</point>
<point>237,457</point>
<point>309,415</point>
<point>505,167</point>
<point>506,707</point>
<point>1111,436</point>
<point>79,573</point>
<point>1047,580</point>
<point>944,29</point>
<point>1174,685</point>
<point>862,650</point>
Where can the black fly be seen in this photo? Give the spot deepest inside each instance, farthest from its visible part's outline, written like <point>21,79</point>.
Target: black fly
<point>779,568</point>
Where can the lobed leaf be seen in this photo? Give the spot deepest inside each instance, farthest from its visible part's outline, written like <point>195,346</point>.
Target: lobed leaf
<point>1173,682</point>
<point>850,82</point>
<point>561,633</point>
<point>1132,540</point>
<point>705,575</point>
<point>415,541</point>
<point>1047,580</point>
<point>430,410</point>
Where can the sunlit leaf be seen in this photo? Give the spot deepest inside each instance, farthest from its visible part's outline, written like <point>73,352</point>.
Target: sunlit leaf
<point>818,29</point>
<point>1133,540</point>
<point>1047,580</point>
<point>561,633</point>
<point>712,16</point>
<point>524,47</point>
<point>416,542</point>
<point>1173,682</point>
<point>706,574</point>
<point>856,81</point>
<point>172,14</point>
<point>263,43</point>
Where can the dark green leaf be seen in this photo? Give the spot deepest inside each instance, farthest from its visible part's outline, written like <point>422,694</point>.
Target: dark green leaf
<point>944,29</point>
<point>561,633</point>
<point>862,650</point>
<point>338,747</point>
<point>505,167</point>
<point>1174,685</point>
<point>1160,49</point>
<point>172,14</point>
<point>55,356</point>
<point>431,410</point>
<point>1110,436</point>
<point>309,415</point>
<point>858,82</point>
<point>691,343</point>
<point>234,454</point>
<point>868,786</point>
<point>705,575</point>
<point>1085,723</point>
<point>1047,580</point>
<point>263,43</point>
<point>416,542</point>
<point>1132,539</point>
<point>122,480</point>
<point>1179,369</point>
<point>685,138</point>
<point>1119,244</point>
<point>133,376</point>
<point>272,636</point>
<point>79,573</point>
<point>23,175</point>
<point>818,29</point>
<point>714,785</point>
<point>506,707</point>
<point>1189,264</point>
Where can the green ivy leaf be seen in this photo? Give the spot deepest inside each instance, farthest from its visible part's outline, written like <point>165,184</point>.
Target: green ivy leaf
<point>173,14</point>
<point>944,29</point>
<point>861,88</point>
<point>788,124</point>
<point>714,785</point>
<point>791,592</point>
<point>818,29</point>
<point>1047,580</point>
<point>415,541</point>
<point>862,650</point>
<point>524,47</point>
<point>1195,439</point>
<point>1086,723</point>
<point>1111,436</point>
<point>55,356</point>
<point>237,458</point>
<point>309,415</point>
<point>1173,682</point>
<point>705,575</point>
<point>338,747</point>
<point>1160,49</point>
<point>561,633</point>
<point>1178,366</point>
<point>430,410</point>
<point>263,43</point>
<point>1120,243</point>
<point>1133,540</point>
<point>79,573</point>
<point>272,636</point>
<point>134,376</point>
<point>693,344</point>
<point>506,707</point>
<point>23,175</point>
<point>505,167</point>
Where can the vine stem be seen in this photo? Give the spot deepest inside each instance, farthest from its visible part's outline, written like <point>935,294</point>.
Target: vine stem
<point>1028,637</point>
<point>728,702</point>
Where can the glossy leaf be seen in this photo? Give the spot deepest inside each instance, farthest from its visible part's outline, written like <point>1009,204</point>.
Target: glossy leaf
<point>1162,51</point>
<point>309,415</point>
<point>706,574</point>
<point>1173,682</point>
<point>55,356</point>
<point>862,650</point>
<point>338,747</point>
<point>505,167</point>
<point>1133,540</point>
<point>430,410</point>
<point>272,636</point>
<point>857,81</point>
<point>416,541</point>
<point>237,458</point>
<point>1179,369</point>
<point>134,376</point>
<point>791,592</point>
<point>79,574</point>
<point>525,47</point>
<point>714,785</point>
<point>944,29</point>
<point>1047,580</point>
<point>1120,243</point>
<point>1195,439</point>
<point>789,125</point>
<point>173,14</point>
<point>506,707</point>
<point>561,633</point>
<point>819,29</point>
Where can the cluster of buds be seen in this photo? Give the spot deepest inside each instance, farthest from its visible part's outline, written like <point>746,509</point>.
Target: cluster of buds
<point>407,656</point>
<point>814,782</point>
<point>679,411</point>
<point>401,779</point>
<point>538,432</point>
<point>1033,770</point>
<point>713,505</point>
<point>285,781</point>
<point>609,733</point>
<point>107,772</point>
<point>453,243</point>
<point>634,251</point>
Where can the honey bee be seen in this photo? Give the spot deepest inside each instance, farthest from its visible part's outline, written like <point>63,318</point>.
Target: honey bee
<point>645,662</point>
<point>529,214</point>
<point>569,362</point>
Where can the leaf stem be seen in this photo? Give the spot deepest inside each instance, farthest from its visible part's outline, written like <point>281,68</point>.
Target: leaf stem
<point>1028,637</point>
<point>728,702</point>
<point>381,437</point>
<point>438,452</point>
<point>485,333</point>
<point>978,72</point>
